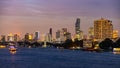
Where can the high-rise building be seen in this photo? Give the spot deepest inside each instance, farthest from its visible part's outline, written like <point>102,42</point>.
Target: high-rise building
<point>37,35</point>
<point>28,37</point>
<point>10,37</point>
<point>48,37</point>
<point>16,37</point>
<point>3,38</point>
<point>58,34</point>
<point>64,30</point>
<point>115,34</point>
<point>50,32</point>
<point>77,26</point>
<point>79,33</point>
<point>62,35</point>
<point>91,32</point>
<point>103,28</point>
<point>68,36</point>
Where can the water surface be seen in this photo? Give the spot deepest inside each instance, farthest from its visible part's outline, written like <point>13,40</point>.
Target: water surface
<point>55,58</point>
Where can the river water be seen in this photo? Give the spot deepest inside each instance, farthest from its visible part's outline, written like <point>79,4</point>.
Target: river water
<point>56,58</point>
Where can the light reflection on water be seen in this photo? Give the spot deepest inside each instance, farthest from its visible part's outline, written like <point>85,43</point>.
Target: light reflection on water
<point>13,62</point>
<point>55,58</point>
<point>13,52</point>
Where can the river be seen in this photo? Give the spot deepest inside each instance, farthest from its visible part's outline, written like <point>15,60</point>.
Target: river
<point>56,58</point>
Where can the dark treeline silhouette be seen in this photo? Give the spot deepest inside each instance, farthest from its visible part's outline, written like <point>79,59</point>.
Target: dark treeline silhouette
<point>28,43</point>
<point>108,44</point>
<point>69,43</point>
<point>117,43</point>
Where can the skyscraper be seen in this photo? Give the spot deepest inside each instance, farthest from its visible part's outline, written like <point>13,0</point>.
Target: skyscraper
<point>62,35</point>
<point>68,36</point>
<point>50,34</point>
<point>3,38</point>
<point>10,37</point>
<point>64,31</point>
<point>48,37</point>
<point>91,32</point>
<point>79,33</point>
<point>103,28</point>
<point>115,34</point>
<point>16,37</point>
<point>37,35</point>
<point>28,37</point>
<point>50,31</point>
<point>77,26</point>
<point>58,34</point>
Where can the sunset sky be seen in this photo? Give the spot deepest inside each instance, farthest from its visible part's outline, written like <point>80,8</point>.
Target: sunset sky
<point>22,16</point>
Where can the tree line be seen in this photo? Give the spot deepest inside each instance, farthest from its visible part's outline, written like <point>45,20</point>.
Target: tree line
<point>106,44</point>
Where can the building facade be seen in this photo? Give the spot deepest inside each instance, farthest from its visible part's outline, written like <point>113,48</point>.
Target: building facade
<point>28,37</point>
<point>115,34</point>
<point>103,28</point>
<point>77,26</point>
<point>79,33</point>
<point>3,38</point>
<point>62,35</point>
<point>50,32</point>
<point>91,32</point>
<point>37,36</point>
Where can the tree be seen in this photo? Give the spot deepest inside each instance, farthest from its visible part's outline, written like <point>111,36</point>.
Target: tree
<point>117,43</point>
<point>106,44</point>
<point>36,44</point>
<point>27,43</point>
<point>68,43</point>
<point>78,42</point>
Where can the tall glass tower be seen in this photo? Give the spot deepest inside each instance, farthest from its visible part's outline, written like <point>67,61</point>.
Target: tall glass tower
<point>50,32</point>
<point>37,35</point>
<point>77,26</point>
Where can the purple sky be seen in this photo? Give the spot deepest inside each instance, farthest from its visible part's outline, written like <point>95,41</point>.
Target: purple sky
<point>21,16</point>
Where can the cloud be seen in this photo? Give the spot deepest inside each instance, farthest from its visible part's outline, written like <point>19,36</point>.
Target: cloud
<point>59,7</point>
<point>42,13</point>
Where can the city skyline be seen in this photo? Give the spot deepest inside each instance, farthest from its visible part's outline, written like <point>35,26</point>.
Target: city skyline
<point>22,16</point>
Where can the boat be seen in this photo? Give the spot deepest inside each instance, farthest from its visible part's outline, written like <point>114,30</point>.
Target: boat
<point>2,46</point>
<point>75,48</point>
<point>116,50</point>
<point>12,48</point>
